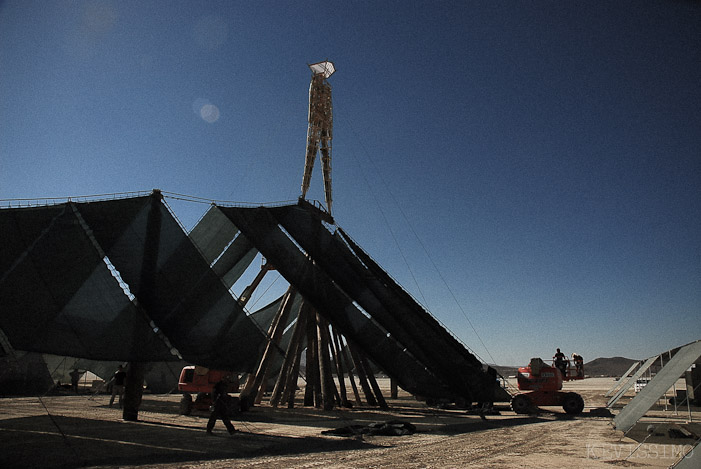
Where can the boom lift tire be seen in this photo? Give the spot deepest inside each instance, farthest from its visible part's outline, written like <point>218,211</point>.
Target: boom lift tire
<point>186,404</point>
<point>521,404</point>
<point>573,403</point>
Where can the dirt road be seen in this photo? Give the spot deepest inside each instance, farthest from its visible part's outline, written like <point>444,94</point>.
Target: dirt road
<point>83,431</point>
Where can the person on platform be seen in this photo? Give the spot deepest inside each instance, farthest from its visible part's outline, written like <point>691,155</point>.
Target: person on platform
<point>560,362</point>
<point>578,364</point>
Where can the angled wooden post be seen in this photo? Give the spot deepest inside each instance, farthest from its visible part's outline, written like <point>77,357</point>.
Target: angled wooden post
<point>262,388</point>
<point>360,370</point>
<point>291,385</point>
<point>290,356</point>
<point>313,383</point>
<point>339,372</point>
<point>327,385</point>
<point>277,327</point>
<point>373,382</point>
<point>343,352</point>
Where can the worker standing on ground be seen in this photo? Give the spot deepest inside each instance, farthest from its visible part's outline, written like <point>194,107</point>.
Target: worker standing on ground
<point>118,380</point>
<point>220,408</point>
<point>75,377</point>
<point>560,362</point>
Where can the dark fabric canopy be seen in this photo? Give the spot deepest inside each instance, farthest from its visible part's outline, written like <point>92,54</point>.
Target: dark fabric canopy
<point>58,294</point>
<point>119,280</point>
<point>362,301</point>
<point>223,247</point>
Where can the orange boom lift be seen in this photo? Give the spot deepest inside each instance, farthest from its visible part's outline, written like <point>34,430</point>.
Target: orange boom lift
<point>544,385</point>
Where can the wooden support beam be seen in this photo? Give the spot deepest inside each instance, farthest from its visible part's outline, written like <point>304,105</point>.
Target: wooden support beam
<point>373,382</point>
<point>293,350</point>
<point>313,382</point>
<point>327,385</point>
<point>348,365</point>
<point>133,391</point>
<point>291,385</point>
<point>253,383</point>
<point>343,398</point>
<point>248,291</point>
<point>262,388</point>
<point>360,370</point>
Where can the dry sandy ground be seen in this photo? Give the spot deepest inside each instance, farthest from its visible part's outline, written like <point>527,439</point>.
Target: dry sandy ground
<point>83,431</point>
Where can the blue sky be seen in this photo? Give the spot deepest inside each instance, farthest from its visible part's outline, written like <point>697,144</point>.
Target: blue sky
<point>528,170</point>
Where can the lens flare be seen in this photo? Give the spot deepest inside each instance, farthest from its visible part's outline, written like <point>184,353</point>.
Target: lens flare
<point>210,113</point>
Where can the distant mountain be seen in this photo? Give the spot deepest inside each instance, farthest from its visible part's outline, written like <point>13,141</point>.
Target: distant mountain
<point>506,371</point>
<point>614,366</point>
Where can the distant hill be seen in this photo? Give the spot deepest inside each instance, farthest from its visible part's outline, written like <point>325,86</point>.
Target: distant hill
<point>614,366</point>
<point>506,371</point>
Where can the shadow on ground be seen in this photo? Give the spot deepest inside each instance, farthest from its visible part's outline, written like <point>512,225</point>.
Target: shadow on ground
<point>63,442</point>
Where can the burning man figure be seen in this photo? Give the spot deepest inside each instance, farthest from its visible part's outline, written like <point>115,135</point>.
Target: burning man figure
<point>320,130</point>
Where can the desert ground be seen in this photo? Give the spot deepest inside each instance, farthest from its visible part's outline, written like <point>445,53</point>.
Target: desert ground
<point>83,431</point>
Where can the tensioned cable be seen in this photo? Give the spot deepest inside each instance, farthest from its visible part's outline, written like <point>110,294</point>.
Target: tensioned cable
<point>177,220</point>
<point>384,217</point>
<point>89,197</point>
<point>264,292</point>
<point>56,424</point>
<point>425,303</point>
<point>440,275</point>
<point>41,201</point>
<point>190,198</point>
<point>418,239</point>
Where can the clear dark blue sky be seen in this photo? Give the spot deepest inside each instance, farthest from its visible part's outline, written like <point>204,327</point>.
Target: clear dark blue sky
<point>529,170</point>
